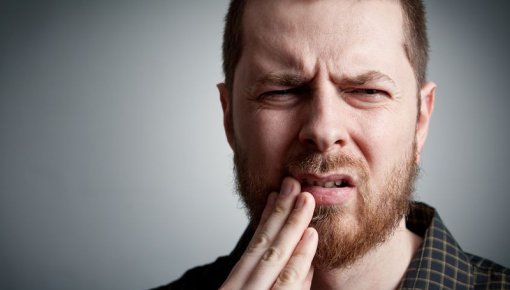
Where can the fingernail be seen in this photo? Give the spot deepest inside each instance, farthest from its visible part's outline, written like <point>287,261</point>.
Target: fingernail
<point>300,202</point>
<point>308,234</point>
<point>286,187</point>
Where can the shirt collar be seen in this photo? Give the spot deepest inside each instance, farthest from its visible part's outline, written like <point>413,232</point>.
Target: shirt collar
<point>439,263</point>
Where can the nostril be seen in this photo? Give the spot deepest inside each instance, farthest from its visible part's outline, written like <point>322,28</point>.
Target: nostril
<point>340,142</point>
<point>309,142</point>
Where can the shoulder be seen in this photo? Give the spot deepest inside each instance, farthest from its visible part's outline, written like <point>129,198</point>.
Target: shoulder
<point>209,276</point>
<point>212,275</point>
<point>487,274</point>
<point>440,263</point>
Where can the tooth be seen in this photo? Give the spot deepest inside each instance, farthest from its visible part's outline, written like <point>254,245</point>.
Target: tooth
<point>338,183</point>
<point>329,184</point>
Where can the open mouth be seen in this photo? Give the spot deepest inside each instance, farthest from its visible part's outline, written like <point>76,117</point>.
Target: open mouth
<point>333,189</point>
<point>330,182</point>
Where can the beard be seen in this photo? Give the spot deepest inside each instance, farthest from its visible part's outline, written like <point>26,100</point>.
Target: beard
<point>346,233</point>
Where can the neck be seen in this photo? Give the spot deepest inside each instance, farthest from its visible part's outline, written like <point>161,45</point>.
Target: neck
<point>381,268</point>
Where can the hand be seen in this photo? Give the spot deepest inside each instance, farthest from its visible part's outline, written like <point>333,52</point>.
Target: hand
<point>280,254</point>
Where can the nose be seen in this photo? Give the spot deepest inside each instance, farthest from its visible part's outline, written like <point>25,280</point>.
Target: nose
<point>324,127</point>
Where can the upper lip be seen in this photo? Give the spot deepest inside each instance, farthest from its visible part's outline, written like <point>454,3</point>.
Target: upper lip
<point>331,180</point>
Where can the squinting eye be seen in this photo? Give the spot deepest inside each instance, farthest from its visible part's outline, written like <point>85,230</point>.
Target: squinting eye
<point>367,94</point>
<point>371,91</point>
<point>281,94</point>
<point>272,95</point>
<point>365,91</point>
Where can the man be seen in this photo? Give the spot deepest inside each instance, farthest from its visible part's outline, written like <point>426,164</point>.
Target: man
<point>326,107</point>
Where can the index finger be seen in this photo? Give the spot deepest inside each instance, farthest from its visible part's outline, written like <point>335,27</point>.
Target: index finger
<point>274,217</point>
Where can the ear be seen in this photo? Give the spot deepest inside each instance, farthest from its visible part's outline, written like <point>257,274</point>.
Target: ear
<point>226,105</point>
<point>427,96</point>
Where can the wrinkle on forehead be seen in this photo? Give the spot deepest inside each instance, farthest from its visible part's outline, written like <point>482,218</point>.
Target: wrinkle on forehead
<point>314,13</point>
<point>268,22</point>
<point>296,34</point>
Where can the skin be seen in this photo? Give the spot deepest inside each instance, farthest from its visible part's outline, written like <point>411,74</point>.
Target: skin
<point>322,49</point>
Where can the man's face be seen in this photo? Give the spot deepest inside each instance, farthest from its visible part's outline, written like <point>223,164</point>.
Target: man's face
<point>324,92</point>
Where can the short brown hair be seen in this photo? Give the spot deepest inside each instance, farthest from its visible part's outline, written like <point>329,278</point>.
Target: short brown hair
<point>415,38</point>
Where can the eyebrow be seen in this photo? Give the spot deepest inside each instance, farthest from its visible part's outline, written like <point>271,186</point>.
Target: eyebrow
<point>295,80</point>
<point>370,76</point>
<point>283,79</point>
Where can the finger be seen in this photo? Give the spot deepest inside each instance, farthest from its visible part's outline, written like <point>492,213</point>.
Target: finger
<point>241,269</point>
<point>274,217</point>
<point>271,199</point>
<point>307,285</point>
<point>278,254</point>
<point>298,272</point>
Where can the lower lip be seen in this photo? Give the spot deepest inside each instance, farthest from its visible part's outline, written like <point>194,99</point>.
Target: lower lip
<point>329,196</point>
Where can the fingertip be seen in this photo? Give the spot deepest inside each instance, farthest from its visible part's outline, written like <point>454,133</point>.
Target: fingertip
<point>309,197</point>
<point>289,185</point>
<point>310,234</point>
<point>308,201</point>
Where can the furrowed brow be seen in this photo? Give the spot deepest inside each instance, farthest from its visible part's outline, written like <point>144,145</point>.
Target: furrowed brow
<point>282,79</point>
<point>367,77</point>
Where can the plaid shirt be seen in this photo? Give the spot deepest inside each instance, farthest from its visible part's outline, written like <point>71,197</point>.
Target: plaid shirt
<point>439,263</point>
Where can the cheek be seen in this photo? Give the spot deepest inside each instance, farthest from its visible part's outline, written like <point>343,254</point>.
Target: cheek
<point>392,133</point>
<point>384,137</point>
<point>266,137</point>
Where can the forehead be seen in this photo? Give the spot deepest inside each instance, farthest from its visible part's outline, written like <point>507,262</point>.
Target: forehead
<point>345,33</point>
<point>324,16</point>
<point>332,11</point>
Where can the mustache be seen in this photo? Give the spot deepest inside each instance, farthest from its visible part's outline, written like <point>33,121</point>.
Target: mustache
<point>317,163</point>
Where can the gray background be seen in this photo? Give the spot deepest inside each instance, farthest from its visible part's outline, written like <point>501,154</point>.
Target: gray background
<point>114,169</point>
